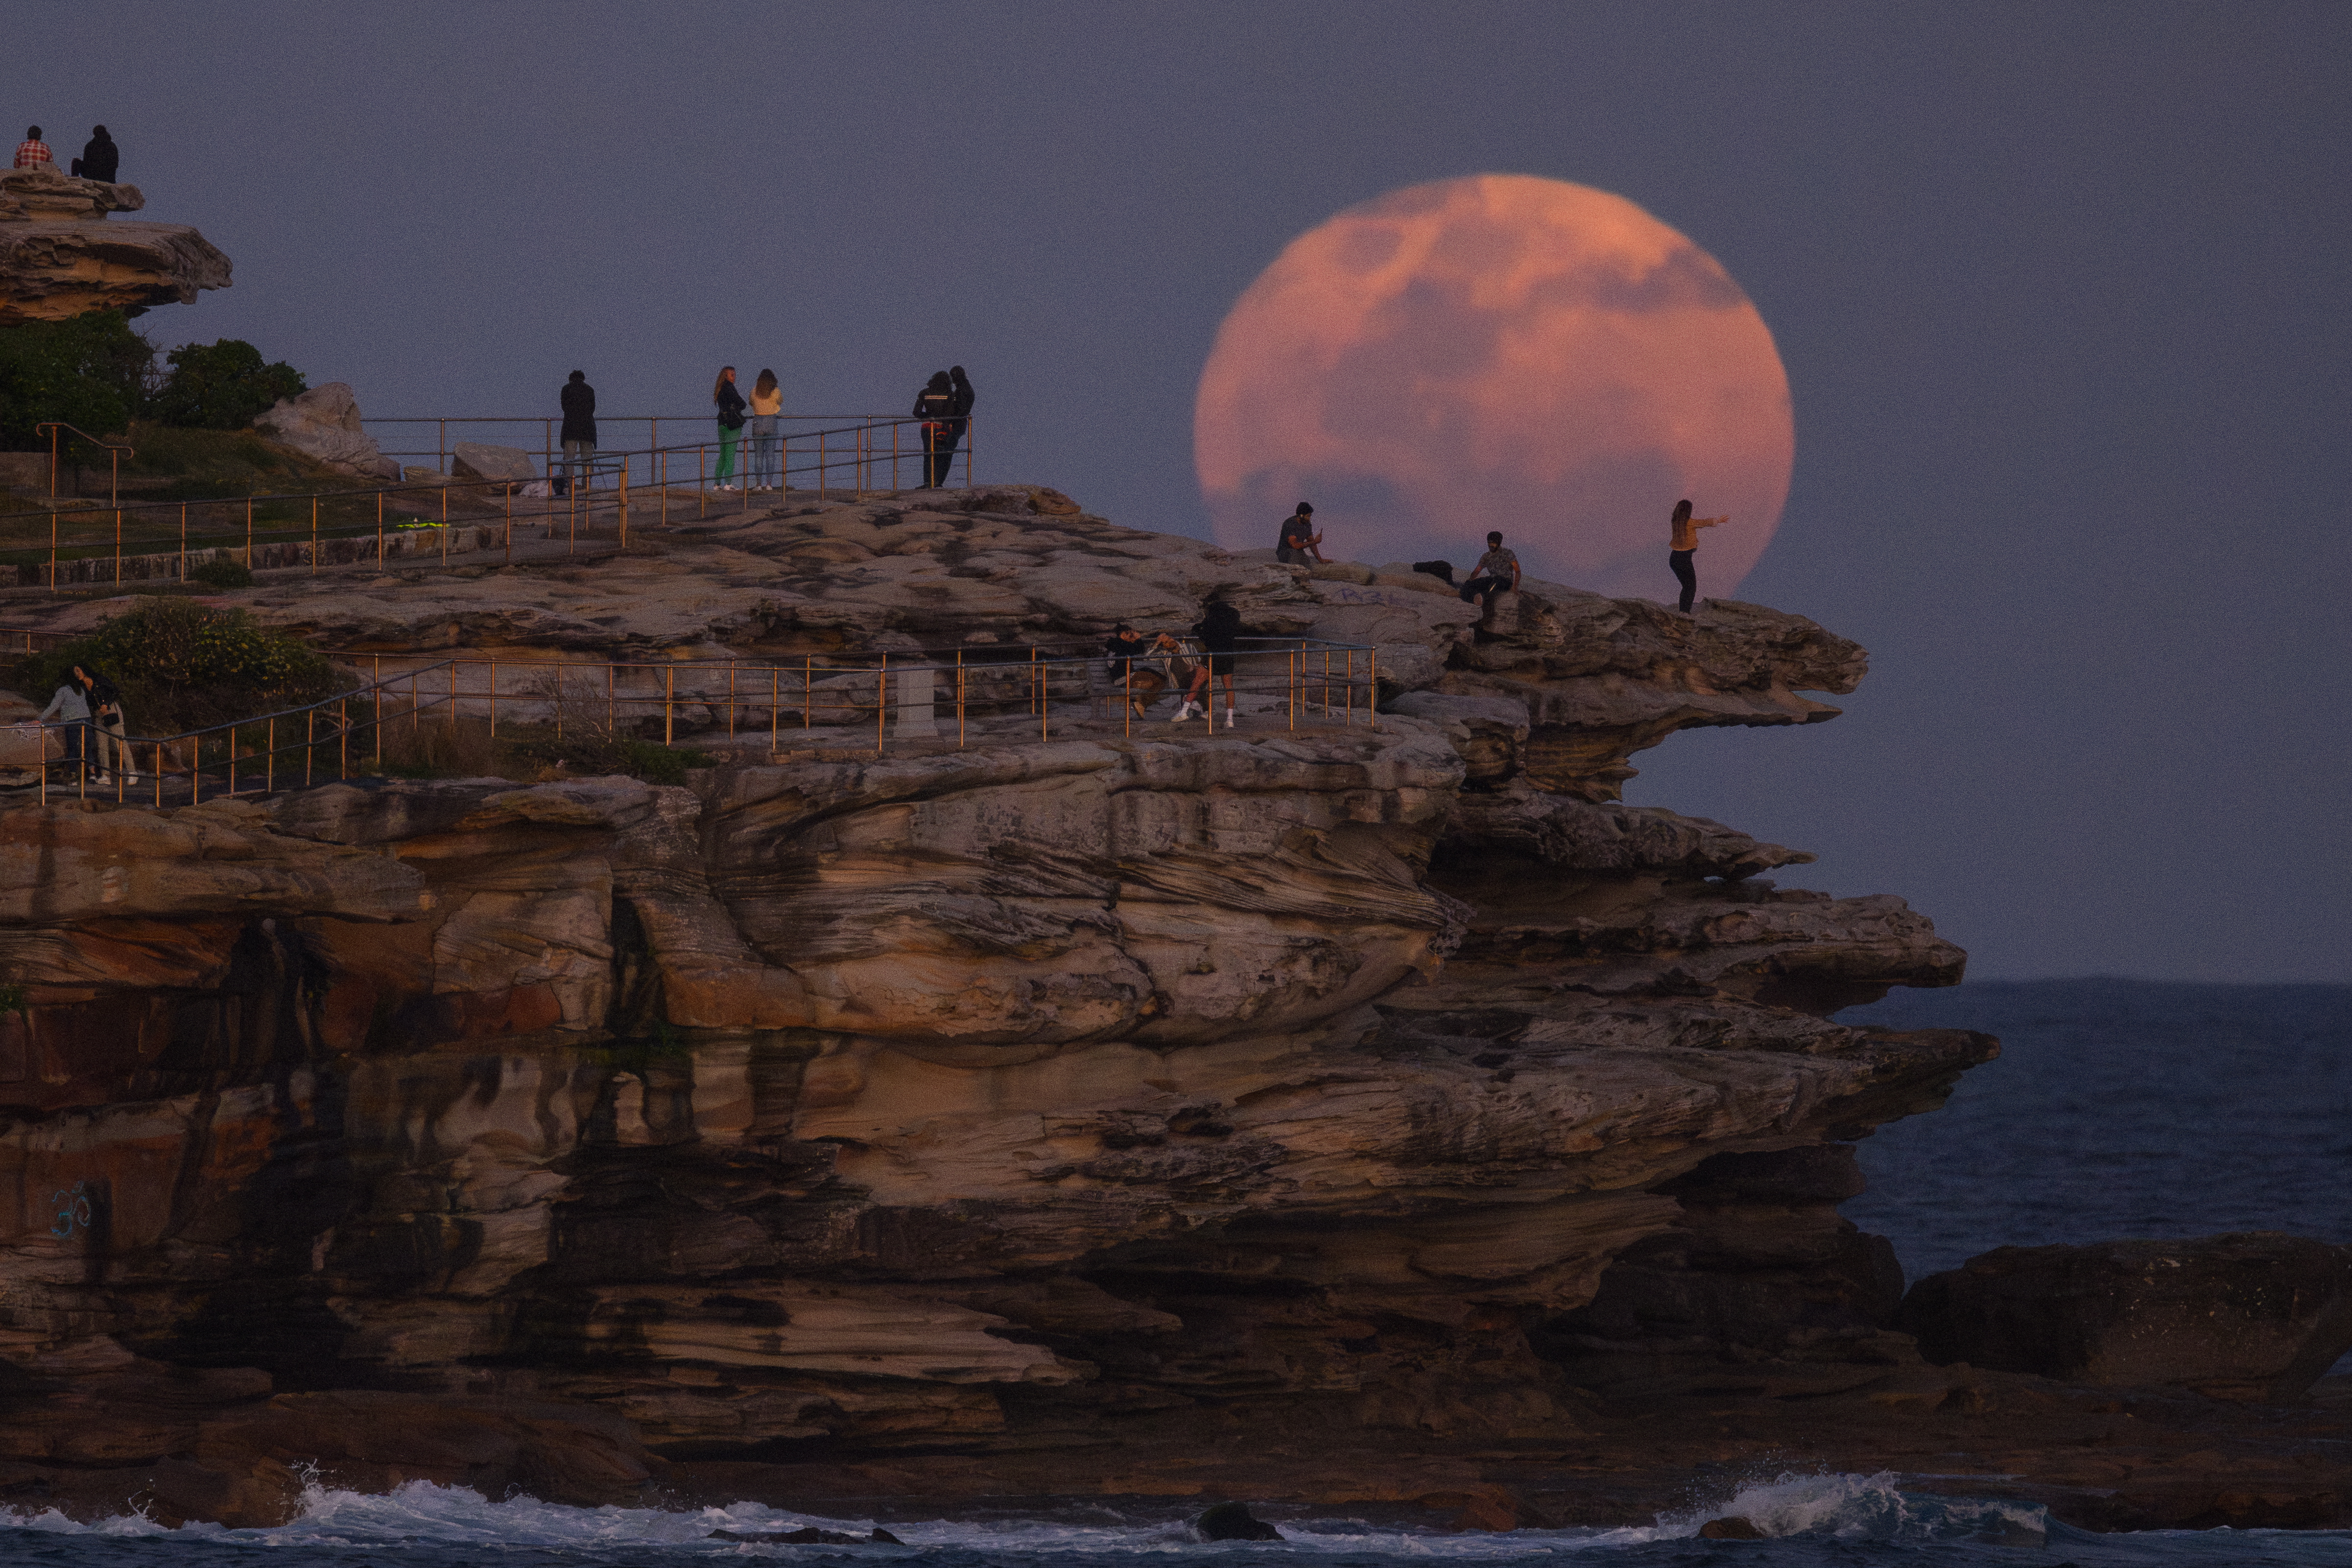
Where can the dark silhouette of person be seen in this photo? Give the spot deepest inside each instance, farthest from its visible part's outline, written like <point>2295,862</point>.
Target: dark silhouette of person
<point>1685,546</point>
<point>1218,632</point>
<point>960,388</point>
<point>579,401</point>
<point>1296,545</point>
<point>935,407</point>
<point>101,158</point>
<point>1497,570</point>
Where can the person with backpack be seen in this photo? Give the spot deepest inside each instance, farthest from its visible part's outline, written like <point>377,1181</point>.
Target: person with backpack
<point>579,400</point>
<point>110,742</point>
<point>960,389</point>
<point>1297,543</point>
<point>730,425</point>
<point>935,406</point>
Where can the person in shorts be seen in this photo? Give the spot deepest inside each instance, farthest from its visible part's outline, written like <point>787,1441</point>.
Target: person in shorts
<point>1218,632</point>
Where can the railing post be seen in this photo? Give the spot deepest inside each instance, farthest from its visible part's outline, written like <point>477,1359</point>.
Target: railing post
<point>118,547</point>
<point>881,704</point>
<point>183,542</point>
<point>624,502</point>
<point>314,535</point>
<point>669,703</point>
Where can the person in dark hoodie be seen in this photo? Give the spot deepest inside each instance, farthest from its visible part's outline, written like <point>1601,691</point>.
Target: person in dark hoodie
<point>730,400</point>
<point>1218,632</point>
<point>101,158</point>
<point>578,430</point>
<point>935,407</point>
<point>959,387</point>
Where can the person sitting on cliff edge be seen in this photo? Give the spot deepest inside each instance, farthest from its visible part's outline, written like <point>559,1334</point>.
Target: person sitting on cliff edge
<point>1497,572</point>
<point>1298,542</point>
<point>101,158</point>
<point>32,151</point>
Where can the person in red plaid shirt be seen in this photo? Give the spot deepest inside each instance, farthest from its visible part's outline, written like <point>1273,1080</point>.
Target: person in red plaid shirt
<point>32,149</point>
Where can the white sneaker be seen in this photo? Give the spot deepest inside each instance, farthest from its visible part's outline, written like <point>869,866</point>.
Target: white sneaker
<point>1229,718</point>
<point>1182,714</point>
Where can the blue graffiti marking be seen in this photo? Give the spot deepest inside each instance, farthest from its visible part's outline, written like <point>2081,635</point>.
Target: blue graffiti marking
<point>73,1209</point>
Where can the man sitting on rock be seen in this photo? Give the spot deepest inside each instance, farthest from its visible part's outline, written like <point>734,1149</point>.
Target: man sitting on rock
<point>101,158</point>
<point>32,151</point>
<point>1497,571</point>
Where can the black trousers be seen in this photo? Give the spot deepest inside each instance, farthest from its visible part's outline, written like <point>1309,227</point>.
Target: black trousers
<point>1684,573</point>
<point>1483,589</point>
<point>939,459</point>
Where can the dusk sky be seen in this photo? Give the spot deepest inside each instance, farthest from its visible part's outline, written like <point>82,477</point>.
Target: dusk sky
<point>2060,290</point>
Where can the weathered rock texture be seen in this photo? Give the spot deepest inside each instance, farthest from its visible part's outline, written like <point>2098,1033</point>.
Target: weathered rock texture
<point>60,256</point>
<point>1345,1115</point>
<point>2254,1316</point>
<point>324,423</point>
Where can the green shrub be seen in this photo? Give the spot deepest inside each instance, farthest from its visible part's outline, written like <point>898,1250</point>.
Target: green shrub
<point>222,571</point>
<point>183,665</point>
<point>88,371</point>
<point>223,386</point>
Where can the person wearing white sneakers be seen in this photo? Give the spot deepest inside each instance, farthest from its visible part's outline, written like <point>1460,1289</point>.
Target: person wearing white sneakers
<point>730,425</point>
<point>1219,628</point>
<point>767,402</point>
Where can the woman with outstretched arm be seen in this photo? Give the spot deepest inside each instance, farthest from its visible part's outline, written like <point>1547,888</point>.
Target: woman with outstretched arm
<point>1685,546</point>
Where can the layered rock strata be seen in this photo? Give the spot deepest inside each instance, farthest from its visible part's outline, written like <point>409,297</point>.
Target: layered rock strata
<point>60,256</point>
<point>1351,1114</point>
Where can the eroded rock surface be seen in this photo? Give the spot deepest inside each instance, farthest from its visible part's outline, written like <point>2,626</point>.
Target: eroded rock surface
<point>59,256</point>
<point>1351,1115</point>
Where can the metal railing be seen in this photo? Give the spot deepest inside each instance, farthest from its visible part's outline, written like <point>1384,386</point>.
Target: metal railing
<point>990,693</point>
<point>850,458</point>
<point>803,428</point>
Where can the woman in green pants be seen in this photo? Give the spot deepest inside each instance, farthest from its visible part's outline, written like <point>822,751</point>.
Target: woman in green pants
<point>730,425</point>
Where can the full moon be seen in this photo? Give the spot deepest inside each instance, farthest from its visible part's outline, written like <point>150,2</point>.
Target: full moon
<point>1499,351</point>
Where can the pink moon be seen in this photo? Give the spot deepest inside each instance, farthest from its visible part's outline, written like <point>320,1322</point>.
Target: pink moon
<point>1499,351</point>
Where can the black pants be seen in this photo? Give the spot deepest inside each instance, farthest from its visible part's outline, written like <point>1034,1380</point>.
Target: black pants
<point>1684,573</point>
<point>939,459</point>
<point>1483,589</point>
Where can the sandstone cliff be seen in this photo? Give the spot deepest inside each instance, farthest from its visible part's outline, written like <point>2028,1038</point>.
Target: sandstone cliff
<point>1347,1113</point>
<point>60,254</point>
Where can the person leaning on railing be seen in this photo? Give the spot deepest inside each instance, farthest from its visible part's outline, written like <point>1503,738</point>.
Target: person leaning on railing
<point>69,707</point>
<point>767,402</point>
<point>110,742</point>
<point>730,425</point>
<point>578,430</point>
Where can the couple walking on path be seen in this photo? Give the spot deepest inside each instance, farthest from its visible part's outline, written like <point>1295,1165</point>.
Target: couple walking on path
<point>767,402</point>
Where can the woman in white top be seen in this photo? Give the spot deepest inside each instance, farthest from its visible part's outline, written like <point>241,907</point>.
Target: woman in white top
<point>767,402</point>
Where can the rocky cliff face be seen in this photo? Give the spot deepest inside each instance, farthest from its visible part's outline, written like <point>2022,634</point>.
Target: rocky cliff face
<point>60,256</point>
<point>1347,1113</point>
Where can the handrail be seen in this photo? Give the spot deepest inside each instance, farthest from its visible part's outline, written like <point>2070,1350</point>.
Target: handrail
<point>984,685</point>
<point>115,461</point>
<point>861,457</point>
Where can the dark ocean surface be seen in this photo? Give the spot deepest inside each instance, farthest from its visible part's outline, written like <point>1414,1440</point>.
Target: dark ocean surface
<point>2119,1108</point>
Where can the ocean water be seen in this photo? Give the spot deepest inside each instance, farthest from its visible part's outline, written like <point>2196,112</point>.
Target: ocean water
<point>2118,1109</point>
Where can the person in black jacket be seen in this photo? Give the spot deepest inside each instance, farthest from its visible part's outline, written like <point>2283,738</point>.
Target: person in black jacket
<point>935,406</point>
<point>1218,632</point>
<point>960,388</point>
<point>578,430</point>
<point>99,157</point>
<point>730,400</point>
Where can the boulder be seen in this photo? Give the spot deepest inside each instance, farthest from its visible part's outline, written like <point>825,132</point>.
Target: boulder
<point>45,191</point>
<point>2253,1316</point>
<point>324,423</point>
<point>480,460</point>
<point>1234,1521</point>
